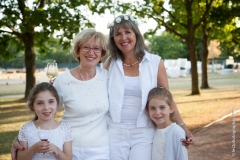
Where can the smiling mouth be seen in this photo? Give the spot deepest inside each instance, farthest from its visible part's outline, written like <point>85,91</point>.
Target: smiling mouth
<point>91,58</point>
<point>124,43</point>
<point>47,113</point>
<point>158,118</point>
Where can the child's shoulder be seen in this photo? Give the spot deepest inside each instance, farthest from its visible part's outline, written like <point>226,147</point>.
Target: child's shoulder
<point>28,125</point>
<point>176,129</point>
<point>64,125</point>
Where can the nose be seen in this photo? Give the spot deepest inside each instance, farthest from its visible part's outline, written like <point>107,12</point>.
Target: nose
<point>124,36</point>
<point>91,50</point>
<point>46,107</point>
<point>158,111</point>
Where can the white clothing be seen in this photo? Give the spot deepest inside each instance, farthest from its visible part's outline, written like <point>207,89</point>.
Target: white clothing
<point>168,141</point>
<point>58,137</point>
<point>131,141</point>
<point>130,144</point>
<point>86,104</point>
<point>148,72</point>
<point>131,101</point>
<point>91,153</point>
<point>159,144</point>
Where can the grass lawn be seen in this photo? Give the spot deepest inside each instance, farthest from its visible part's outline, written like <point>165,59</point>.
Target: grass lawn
<point>196,111</point>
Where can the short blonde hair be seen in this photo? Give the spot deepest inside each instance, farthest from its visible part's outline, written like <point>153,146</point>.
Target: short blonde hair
<point>86,35</point>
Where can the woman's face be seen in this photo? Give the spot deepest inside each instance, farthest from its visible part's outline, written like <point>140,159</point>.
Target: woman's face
<point>125,40</point>
<point>90,52</point>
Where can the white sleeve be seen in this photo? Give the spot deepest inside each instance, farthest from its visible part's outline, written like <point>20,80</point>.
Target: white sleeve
<point>22,136</point>
<point>57,86</point>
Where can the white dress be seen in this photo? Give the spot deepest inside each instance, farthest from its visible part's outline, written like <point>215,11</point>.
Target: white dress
<point>59,136</point>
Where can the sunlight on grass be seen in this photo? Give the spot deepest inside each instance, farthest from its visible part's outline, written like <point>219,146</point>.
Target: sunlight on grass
<point>196,111</point>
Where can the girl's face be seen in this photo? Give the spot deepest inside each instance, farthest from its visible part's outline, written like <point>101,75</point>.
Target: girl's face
<point>93,56</point>
<point>159,111</point>
<point>125,40</point>
<point>45,106</point>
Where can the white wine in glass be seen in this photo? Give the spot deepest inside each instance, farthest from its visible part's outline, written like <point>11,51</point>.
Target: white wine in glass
<point>52,70</point>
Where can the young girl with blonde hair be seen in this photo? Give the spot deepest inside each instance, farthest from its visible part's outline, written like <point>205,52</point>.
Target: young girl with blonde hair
<point>167,143</point>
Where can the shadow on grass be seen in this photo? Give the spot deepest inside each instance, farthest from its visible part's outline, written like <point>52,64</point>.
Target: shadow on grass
<point>9,101</point>
<point>6,139</point>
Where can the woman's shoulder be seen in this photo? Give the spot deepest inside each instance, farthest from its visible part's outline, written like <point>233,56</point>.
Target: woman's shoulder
<point>152,57</point>
<point>102,71</point>
<point>64,73</point>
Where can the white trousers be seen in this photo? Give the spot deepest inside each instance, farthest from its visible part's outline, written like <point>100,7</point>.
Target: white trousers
<point>91,153</point>
<point>130,143</point>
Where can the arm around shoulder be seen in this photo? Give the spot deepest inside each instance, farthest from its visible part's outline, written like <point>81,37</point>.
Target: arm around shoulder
<point>162,79</point>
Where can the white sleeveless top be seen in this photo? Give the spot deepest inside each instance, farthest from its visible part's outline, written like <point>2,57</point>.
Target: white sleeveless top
<point>131,101</point>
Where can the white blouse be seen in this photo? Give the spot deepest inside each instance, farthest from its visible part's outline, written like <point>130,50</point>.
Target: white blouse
<point>58,137</point>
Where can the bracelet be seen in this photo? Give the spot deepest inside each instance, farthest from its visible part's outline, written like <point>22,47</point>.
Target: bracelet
<point>182,124</point>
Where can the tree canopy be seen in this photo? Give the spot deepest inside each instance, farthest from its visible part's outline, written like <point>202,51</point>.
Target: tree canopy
<point>167,46</point>
<point>26,24</point>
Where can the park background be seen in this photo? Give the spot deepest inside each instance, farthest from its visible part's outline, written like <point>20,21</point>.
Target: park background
<point>34,33</point>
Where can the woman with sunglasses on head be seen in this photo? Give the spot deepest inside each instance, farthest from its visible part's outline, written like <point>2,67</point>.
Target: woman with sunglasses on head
<point>83,91</point>
<point>133,72</point>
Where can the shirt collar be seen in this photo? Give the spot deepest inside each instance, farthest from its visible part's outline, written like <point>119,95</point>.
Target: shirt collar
<point>146,56</point>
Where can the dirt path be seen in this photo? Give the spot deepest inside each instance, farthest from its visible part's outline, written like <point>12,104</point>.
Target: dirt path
<point>216,141</point>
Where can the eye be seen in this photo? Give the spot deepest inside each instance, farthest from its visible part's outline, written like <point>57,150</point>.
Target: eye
<point>39,103</point>
<point>162,107</point>
<point>152,108</point>
<point>86,48</point>
<point>117,34</point>
<point>96,49</point>
<point>51,101</point>
<point>128,32</point>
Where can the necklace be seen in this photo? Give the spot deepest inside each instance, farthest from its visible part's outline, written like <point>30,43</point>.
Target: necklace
<point>130,65</point>
<point>80,73</point>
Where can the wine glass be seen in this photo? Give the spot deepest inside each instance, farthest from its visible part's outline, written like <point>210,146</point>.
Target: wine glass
<point>52,70</point>
<point>44,133</point>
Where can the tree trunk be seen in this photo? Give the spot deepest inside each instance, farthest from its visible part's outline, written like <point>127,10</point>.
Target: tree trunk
<point>204,58</point>
<point>193,59</point>
<point>28,39</point>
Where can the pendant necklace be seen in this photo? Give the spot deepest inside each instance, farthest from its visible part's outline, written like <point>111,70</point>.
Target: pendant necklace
<point>130,65</point>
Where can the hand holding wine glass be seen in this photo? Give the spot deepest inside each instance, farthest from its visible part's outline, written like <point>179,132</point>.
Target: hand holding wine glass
<point>44,133</point>
<point>52,70</point>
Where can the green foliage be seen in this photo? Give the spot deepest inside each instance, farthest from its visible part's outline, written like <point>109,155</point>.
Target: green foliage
<point>168,47</point>
<point>42,19</point>
<point>224,27</point>
<point>54,51</point>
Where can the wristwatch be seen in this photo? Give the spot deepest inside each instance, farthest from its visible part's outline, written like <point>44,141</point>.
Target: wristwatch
<point>182,124</point>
